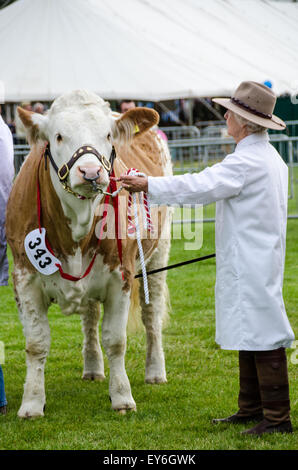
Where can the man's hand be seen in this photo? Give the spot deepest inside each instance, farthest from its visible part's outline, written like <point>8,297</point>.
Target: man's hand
<point>134,183</point>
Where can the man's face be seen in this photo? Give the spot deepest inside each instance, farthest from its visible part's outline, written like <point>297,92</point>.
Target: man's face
<point>234,128</point>
<point>126,106</point>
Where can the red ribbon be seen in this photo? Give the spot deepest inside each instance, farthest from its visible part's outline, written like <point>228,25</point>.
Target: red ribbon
<point>115,201</point>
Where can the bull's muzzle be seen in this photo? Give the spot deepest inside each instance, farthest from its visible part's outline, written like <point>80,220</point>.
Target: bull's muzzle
<point>91,175</point>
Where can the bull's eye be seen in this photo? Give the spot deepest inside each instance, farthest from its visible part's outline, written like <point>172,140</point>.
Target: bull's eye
<point>109,137</point>
<point>59,138</point>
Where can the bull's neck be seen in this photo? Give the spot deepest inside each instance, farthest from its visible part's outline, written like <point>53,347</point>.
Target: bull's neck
<point>73,215</point>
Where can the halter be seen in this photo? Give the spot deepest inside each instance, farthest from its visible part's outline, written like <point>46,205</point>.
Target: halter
<point>64,169</point>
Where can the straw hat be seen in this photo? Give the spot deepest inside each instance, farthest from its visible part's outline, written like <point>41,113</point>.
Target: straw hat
<point>254,102</point>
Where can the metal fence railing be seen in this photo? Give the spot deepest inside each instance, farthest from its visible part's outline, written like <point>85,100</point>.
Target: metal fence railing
<point>215,129</point>
<point>206,130</point>
<point>208,149</point>
<point>181,132</point>
<point>212,128</point>
<point>20,152</point>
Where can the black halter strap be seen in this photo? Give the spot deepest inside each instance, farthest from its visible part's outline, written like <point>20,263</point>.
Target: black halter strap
<point>64,170</point>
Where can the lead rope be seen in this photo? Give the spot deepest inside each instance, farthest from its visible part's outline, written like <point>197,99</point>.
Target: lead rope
<point>134,227</point>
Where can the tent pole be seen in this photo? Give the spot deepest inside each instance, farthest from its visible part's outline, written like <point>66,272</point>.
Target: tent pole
<point>216,113</point>
<point>166,109</point>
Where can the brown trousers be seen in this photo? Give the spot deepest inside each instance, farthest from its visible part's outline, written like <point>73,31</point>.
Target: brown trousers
<point>264,385</point>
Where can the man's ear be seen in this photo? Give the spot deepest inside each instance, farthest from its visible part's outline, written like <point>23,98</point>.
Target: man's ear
<point>134,122</point>
<point>34,124</point>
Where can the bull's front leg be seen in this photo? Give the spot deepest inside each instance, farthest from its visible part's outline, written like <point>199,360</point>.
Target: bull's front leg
<point>93,359</point>
<point>33,314</point>
<point>116,309</point>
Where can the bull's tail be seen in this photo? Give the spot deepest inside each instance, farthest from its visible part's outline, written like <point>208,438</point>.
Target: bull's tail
<point>134,318</point>
<point>135,323</point>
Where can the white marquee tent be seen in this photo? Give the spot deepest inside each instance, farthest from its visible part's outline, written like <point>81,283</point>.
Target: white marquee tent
<point>146,49</point>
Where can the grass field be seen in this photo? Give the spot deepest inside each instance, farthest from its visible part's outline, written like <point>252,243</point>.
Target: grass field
<point>202,379</point>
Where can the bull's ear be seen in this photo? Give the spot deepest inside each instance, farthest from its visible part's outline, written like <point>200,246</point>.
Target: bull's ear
<point>34,125</point>
<point>134,122</point>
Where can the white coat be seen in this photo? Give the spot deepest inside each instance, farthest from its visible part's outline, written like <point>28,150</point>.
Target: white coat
<point>250,187</point>
<point>6,178</point>
<point>7,165</point>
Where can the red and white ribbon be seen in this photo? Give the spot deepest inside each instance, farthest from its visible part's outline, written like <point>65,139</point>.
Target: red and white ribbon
<point>133,225</point>
<point>131,229</point>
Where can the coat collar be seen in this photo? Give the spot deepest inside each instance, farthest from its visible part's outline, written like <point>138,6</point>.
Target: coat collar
<point>253,139</point>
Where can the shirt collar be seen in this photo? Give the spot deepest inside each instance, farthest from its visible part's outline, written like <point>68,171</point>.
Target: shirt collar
<point>253,139</point>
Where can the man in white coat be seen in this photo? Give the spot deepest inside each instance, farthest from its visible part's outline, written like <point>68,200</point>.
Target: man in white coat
<point>250,187</point>
<point>6,178</point>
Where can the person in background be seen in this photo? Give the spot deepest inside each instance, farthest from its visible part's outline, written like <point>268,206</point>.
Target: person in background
<point>250,188</point>
<point>125,105</point>
<point>38,108</point>
<point>6,179</point>
<point>20,129</point>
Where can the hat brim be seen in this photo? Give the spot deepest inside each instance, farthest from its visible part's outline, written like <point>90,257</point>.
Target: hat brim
<point>273,123</point>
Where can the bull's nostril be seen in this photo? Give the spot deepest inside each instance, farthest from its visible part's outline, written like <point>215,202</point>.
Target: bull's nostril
<point>90,173</point>
<point>88,178</point>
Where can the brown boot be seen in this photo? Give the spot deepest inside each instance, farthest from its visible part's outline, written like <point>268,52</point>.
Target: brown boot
<point>249,399</point>
<point>3,410</point>
<point>274,387</point>
<point>237,419</point>
<point>269,428</point>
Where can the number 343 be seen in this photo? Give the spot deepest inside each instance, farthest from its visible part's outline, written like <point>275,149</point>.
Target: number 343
<point>39,252</point>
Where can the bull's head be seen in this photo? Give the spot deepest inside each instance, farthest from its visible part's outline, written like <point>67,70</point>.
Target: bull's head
<point>80,127</point>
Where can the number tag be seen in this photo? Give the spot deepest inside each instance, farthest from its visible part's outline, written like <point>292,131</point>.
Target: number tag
<point>38,254</point>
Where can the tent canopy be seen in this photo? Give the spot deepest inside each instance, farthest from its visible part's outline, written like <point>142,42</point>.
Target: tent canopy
<point>146,49</point>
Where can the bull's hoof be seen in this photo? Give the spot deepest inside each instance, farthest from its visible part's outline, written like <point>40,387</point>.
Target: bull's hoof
<point>31,410</point>
<point>93,376</point>
<point>156,380</point>
<point>125,410</point>
<point>124,406</point>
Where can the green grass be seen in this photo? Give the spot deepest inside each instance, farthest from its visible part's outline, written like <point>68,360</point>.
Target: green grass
<point>202,379</point>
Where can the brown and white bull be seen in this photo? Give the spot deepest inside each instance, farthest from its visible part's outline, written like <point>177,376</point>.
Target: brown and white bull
<point>70,216</point>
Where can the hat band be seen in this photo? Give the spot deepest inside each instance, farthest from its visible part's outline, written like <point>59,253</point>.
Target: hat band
<point>250,109</point>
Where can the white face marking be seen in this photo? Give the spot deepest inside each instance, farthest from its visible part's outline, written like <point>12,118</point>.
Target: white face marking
<point>74,120</point>
<point>88,131</point>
